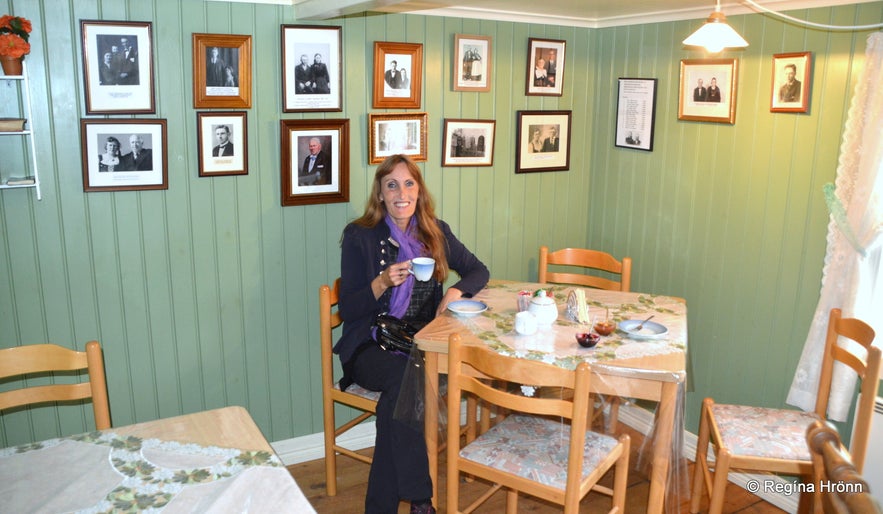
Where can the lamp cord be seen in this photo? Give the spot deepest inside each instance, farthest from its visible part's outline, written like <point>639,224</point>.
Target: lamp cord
<point>813,24</point>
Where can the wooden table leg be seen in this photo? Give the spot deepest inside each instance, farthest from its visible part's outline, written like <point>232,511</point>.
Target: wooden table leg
<point>431,422</point>
<point>662,445</point>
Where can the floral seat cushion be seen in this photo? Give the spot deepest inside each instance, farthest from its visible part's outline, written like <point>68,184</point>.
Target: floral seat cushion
<point>535,448</point>
<point>358,390</point>
<point>762,432</point>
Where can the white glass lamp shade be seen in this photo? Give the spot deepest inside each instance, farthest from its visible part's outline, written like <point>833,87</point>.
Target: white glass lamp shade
<point>716,34</point>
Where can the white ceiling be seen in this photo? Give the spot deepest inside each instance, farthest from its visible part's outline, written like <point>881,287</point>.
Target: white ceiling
<point>580,13</point>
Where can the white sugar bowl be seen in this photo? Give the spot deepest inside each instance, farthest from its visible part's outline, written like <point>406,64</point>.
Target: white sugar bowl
<point>543,308</point>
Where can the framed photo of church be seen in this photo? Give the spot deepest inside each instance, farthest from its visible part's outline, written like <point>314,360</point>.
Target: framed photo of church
<point>390,134</point>
<point>223,143</point>
<point>708,90</point>
<point>221,71</point>
<point>398,75</point>
<point>312,69</point>
<point>790,84</point>
<point>315,161</point>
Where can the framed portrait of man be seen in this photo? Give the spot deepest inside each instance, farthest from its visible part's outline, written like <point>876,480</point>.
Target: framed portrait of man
<point>315,161</point>
<point>791,81</point>
<point>223,143</point>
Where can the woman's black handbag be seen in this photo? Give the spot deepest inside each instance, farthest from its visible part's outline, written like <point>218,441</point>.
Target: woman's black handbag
<point>393,333</point>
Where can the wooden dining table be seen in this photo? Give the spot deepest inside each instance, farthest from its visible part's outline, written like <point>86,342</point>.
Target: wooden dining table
<point>210,461</point>
<point>632,366</point>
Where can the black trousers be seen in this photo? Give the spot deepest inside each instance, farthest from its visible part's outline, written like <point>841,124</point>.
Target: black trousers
<point>400,470</point>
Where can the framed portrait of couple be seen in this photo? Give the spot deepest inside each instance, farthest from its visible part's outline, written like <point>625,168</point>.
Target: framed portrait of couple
<point>221,71</point>
<point>311,69</point>
<point>124,155</point>
<point>545,67</point>
<point>543,141</point>
<point>118,67</point>
<point>398,75</point>
<point>708,90</point>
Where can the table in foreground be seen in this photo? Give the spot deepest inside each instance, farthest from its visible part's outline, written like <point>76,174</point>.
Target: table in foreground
<point>650,369</point>
<point>210,461</point>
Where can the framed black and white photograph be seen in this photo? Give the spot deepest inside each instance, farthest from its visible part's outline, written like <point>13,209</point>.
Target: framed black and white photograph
<point>311,68</point>
<point>221,71</point>
<point>315,161</point>
<point>118,67</point>
<point>472,63</point>
<point>635,113</point>
<point>390,134</point>
<point>223,143</point>
<point>124,155</point>
<point>791,82</point>
<point>542,141</point>
<point>468,143</point>
<point>708,90</point>
<point>398,75</point>
<point>545,67</point>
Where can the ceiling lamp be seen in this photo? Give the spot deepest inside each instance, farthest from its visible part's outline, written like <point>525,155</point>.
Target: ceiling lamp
<point>716,34</point>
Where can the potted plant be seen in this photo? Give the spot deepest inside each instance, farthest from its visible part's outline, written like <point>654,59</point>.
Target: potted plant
<point>14,34</point>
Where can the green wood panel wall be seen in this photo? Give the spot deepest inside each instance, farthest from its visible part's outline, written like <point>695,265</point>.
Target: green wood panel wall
<point>204,295</point>
<point>730,217</point>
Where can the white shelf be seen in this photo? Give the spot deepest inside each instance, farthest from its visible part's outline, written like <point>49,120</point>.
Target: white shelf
<point>28,134</point>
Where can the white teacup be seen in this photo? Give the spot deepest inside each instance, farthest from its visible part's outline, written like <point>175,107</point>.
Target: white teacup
<point>422,268</point>
<point>525,323</point>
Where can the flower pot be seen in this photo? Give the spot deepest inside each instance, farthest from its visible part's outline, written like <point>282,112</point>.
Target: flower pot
<point>11,65</point>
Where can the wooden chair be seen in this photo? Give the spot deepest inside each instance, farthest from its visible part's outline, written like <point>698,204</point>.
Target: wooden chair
<point>586,259</point>
<point>532,450</point>
<point>781,446</point>
<point>53,360</point>
<point>832,465</point>
<point>589,260</point>
<point>355,396</point>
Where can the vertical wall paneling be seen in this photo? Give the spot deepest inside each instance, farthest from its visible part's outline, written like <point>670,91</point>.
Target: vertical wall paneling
<point>205,294</point>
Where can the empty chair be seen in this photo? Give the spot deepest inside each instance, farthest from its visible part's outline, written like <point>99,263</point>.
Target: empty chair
<point>781,447</point>
<point>832,466</point>
<point>588,260</point>
<point>53,360</point>
<point>355,396</point>
<point>543,447</point>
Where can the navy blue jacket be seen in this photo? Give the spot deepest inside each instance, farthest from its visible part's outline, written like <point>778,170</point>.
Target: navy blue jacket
<point>364,255</point>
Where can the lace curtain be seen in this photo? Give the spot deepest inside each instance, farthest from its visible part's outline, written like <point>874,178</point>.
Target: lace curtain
<point>851,276</point>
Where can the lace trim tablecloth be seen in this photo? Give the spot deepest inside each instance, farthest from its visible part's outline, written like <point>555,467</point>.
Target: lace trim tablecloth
<point>104,472</point>
<point>557,344</point>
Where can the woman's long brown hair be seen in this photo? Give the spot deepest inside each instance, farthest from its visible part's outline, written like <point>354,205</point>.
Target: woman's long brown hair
<point>428,231</point>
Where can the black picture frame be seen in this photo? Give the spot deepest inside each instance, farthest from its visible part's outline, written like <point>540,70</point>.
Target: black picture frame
<point>542,141</point>
<point>635,113</point>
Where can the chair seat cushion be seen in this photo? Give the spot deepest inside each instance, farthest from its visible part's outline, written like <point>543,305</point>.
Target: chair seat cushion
<point>358,390</point>
<point>762,432</point>
<point>535,448</point>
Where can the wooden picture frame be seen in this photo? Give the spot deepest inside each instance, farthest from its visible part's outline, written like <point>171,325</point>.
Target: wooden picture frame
<point>223,143</point>
<point>398,75</point>
<point>791,82</point>
<point>696,102</point>
<point>635,113</point>
<point>468,143</point>
<point>139,162</point>
<point>390,134</point>
<point>542,141</point>
<point>118,67</point>
<point>317,84</point>
<point>545,67</point>
<point>221,71</point>
<point>472,63</point>
<point>326,179</point>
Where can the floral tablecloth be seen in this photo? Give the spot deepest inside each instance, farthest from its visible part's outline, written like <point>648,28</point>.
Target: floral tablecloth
<point>105,472</point>
<point>557,344</point>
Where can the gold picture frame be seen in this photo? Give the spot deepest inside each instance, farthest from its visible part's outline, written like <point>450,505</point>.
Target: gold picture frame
<point>708,90</point>
<point>390,134</point>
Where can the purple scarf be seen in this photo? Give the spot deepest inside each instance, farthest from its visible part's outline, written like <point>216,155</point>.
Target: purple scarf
<point>409,247</point>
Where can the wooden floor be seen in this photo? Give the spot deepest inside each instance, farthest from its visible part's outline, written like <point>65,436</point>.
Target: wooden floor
<point>352,477</point>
